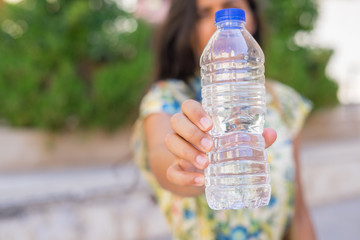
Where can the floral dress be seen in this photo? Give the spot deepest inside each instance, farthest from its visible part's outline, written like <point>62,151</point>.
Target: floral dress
<point>190,217</point>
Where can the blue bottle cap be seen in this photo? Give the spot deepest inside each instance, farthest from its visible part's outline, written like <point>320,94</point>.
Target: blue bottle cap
<point>230,14</point>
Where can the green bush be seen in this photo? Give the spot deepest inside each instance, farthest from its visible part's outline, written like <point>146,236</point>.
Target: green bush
<point>300,67</point>
<point>85,63</point>
<point>67,64</point>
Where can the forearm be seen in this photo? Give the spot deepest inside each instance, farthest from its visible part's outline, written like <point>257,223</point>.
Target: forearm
<point>160,160</point>
<point>303,228</point>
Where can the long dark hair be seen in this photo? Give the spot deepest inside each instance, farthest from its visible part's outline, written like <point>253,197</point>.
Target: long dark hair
<point>174,55</point>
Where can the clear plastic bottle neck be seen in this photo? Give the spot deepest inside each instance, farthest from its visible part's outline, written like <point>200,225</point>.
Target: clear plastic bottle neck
<point>230,24</point>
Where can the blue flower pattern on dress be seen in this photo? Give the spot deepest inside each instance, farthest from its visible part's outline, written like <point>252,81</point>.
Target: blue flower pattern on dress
<point>272,201</point>
<point>239,233</point>
<point>189,214</point>
<point>174,107</point>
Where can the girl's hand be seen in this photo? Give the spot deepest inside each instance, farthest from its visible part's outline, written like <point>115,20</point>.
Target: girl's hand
<point>189,143</point>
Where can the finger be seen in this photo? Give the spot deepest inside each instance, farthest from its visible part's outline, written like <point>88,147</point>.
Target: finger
<point>177,175</point>
<point>191,133</point>
<point>196,114</point>
<point>186,166</point>
<point>270,136</point>
<point>186,151</point>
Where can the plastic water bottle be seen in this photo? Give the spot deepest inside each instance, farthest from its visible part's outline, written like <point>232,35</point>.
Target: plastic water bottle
<point>233,92</point>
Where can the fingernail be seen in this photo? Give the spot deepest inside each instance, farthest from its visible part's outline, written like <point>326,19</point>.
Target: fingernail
<point>199,180</point>
<point>206,143</point>
<point>201,160</point>
<point>205,122</point>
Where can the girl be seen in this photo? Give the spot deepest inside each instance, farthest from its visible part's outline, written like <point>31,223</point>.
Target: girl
<point>171,140</point>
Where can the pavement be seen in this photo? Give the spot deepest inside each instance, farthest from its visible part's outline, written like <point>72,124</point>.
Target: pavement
<point>330,164</point>
<point>109,203</point>
<point>338,220</point>
<point>114,202</point>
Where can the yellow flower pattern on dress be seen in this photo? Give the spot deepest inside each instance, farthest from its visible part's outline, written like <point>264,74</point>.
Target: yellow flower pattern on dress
<point>190,218</point>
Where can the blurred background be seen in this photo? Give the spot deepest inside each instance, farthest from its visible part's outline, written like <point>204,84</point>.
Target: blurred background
<point>72,74</point>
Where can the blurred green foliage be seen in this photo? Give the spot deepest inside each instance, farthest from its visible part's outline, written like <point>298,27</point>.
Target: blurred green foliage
<point>68,64</point>
<point>300,67</point>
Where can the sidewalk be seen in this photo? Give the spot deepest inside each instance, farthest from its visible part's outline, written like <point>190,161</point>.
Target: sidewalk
<point>114,202</point>
<point>330,171</point>
<point>91,204</point>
